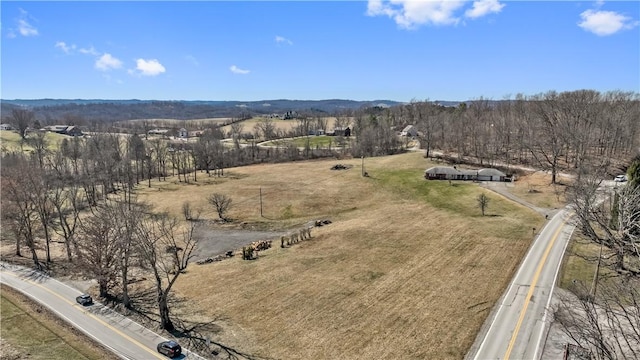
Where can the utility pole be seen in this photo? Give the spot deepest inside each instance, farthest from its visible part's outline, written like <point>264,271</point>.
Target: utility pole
<point>261,202</point>
<point>363,172</point>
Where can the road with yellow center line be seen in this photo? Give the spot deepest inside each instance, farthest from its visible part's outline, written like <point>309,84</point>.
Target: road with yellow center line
<point>516,327</point>
<point>125,338</point>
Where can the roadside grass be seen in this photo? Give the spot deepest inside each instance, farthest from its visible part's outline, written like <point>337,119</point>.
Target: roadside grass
<point>580,263</point>
<point>575,266</point>
<point>409,268</point>
<point>321,141</point>
<point>35,333</point>
<point>536,188</point>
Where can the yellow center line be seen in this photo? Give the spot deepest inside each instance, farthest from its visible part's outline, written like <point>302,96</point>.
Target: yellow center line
<point>531,289</point>
<point>156,355</point>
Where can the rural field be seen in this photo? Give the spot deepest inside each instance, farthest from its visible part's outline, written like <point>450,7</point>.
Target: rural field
<point>11,141</point>
<point>408,268</point>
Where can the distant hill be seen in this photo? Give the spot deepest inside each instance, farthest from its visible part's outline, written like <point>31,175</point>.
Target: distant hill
<point>49,110</point>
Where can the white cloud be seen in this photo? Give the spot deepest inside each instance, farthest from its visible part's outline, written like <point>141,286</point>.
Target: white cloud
<point>236,70</point>
<point>88,51</point>
<point>151,67</point>
<point>72,48</point>
<point>483,7</point>
<point>603,23</point>
<point>283,40</point>
<point>24,27</point>
<point>64,47</point>
<point>409,14</point>
<point>107,62</point>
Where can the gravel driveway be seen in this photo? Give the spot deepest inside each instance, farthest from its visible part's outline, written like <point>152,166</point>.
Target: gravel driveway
<point>215,241</point>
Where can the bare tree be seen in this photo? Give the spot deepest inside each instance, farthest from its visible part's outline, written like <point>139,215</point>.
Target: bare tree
<point>22,119</point>
<point>18,207</point>
<point>266,128</point>
<point>608,324</point>
<point>236,134</point>
<point>613,224</point>
<point>221,202</point>
<point>483,202</point>
<point>98,250</point>
<point>66,200</point>
<point>166,249</point>
<point>127,217</point>
<point>548,138</point>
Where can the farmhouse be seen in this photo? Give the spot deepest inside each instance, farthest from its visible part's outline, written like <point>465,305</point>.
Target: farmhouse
<point>451,173</point>
<point>409,130</point>
<point>339,131</point>
<point>162,132</point>
<point>183,133</point>
<point>64,130</point>
<point>6,127</point>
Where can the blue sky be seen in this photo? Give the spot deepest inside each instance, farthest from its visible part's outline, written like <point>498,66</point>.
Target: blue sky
<point>304,50</point>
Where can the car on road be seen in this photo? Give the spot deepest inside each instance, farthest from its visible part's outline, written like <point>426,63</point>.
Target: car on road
<point>620,178</point>
<point>84,299</point>
<point>170,348</point>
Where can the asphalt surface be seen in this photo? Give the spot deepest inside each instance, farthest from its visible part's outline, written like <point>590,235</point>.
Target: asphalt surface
<point>516,328</point>
<point>124,337</point>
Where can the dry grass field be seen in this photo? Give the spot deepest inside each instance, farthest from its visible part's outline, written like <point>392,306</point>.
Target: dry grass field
<point>11,141</point>
<point>537,189</point>
<point>408,269</point>
<point>175,123</point>
<point>284,125</point>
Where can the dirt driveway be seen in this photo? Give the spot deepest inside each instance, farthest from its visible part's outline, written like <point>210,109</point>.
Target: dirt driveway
<point>214,241</point>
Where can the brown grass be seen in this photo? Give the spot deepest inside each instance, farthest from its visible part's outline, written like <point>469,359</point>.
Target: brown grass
<point>537,189</point>
<point>190,124</point>
<point>408,269</point>
<point>402,272</point>
<point>30,331</point>
<point>285,125</point>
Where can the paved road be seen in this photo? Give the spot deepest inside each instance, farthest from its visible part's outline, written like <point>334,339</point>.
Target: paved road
<point>517,325</point>
<point>125,338</point>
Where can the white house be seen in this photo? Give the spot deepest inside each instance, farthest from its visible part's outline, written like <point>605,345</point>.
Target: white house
<point>183,133</point>
<point>6,127</point>
<point>449,173</point>
<point>491,175</point>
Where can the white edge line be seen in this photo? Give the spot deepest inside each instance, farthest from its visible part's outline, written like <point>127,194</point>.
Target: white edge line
<point>60,315</point>
<point>553,287</point>
<point>513,281</point>
<point>12,267</point>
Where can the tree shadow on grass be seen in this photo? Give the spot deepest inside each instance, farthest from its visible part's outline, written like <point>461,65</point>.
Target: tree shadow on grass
<point>197,337</point>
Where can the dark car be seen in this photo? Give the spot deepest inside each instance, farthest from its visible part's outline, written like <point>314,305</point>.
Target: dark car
<point>170,348</point>
<point>84,299</point>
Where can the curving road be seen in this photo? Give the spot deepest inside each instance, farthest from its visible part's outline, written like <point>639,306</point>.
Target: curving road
<point>518,323</point>
<point>124,337</point>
